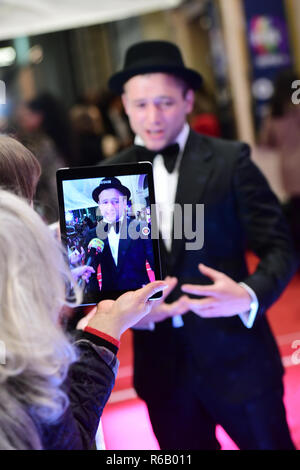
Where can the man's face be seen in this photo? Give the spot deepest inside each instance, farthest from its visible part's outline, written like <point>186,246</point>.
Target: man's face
<point>156,108</point>
<point>112,204</point>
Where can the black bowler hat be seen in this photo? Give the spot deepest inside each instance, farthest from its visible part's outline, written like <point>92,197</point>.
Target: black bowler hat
<point>154,56</point>
<point>108,183</point>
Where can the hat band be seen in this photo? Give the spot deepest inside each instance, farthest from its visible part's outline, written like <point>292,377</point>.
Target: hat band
<point>153,62</point>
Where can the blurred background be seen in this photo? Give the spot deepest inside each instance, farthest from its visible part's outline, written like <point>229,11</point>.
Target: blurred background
<point>55,60</point>
<point>70,48</point>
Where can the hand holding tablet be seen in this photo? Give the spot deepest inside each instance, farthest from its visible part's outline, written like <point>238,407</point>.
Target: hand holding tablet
<point>107,212</point>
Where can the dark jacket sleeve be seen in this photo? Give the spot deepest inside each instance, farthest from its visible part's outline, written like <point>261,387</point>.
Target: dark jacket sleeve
<point>88,386</point>
<point>266,230</point>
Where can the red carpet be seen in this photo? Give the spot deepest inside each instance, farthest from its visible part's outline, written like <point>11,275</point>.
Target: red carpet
<point>125,419</point>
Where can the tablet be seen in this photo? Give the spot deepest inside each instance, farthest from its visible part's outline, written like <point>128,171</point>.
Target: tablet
<point>109,227</point>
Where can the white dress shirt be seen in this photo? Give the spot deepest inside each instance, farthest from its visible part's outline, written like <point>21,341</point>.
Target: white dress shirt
<point>113,240</point>
<point>165,185</point>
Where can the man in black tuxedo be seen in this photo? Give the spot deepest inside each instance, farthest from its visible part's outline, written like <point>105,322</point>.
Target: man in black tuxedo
<point>218,362</point>
<point>120,246</point>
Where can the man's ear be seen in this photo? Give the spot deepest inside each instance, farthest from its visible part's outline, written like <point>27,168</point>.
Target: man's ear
<point>190,100</point>
<point>125,102</point>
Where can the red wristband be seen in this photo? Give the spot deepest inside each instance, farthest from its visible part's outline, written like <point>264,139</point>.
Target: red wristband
<point>102,335</point>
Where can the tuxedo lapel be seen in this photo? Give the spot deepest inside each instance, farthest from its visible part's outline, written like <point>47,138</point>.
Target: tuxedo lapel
<point>194,173</point>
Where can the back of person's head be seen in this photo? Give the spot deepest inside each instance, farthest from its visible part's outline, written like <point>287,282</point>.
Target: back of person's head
<point>86,119</point>
<point>19,169</point>
<point>33,280</point>
<point>47,105</point>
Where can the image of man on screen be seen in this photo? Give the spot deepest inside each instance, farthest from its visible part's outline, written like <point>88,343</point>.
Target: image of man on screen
<point>119,247</point>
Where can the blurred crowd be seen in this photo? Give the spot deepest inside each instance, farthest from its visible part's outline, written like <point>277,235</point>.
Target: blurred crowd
<point>96,128</point>
<point>280,131</point>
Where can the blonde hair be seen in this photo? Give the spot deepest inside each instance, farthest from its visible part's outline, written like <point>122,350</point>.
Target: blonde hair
<point>19,169</point>
<point>33,283</point>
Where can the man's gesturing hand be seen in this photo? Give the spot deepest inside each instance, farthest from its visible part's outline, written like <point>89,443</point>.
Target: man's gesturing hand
<point>161,310</point>
<point>223,298</point>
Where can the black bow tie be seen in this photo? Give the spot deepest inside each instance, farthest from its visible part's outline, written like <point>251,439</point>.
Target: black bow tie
<point>115,225</point>
<point>169,154</point>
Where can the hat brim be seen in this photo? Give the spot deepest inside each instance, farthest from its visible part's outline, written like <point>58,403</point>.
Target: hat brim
<point>95,194</point>
<point>192,78</point>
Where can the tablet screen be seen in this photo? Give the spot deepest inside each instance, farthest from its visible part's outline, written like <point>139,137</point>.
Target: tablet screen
<point>108,225</point>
